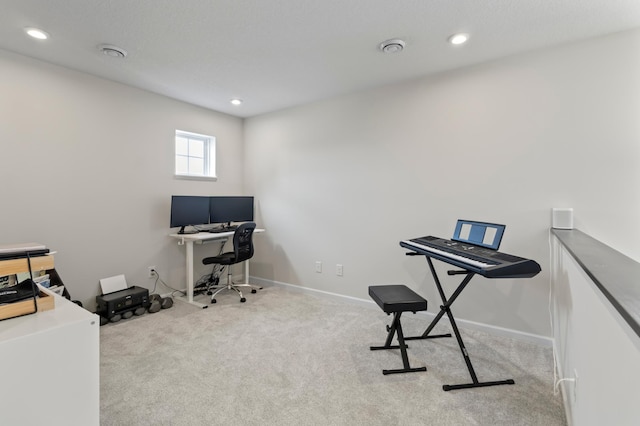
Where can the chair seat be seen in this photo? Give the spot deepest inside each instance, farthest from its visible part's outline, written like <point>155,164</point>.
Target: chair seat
<point>223,259</point>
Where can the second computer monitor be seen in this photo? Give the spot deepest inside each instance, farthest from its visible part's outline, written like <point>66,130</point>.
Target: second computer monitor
<point>227,209</point>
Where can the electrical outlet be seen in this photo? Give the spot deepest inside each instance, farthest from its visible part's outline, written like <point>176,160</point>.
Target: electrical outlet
<point>318,266</point>
<point>151,272</point>
<point>339,270</point>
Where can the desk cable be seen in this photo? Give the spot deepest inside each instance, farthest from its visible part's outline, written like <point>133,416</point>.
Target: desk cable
<point>155,271</point>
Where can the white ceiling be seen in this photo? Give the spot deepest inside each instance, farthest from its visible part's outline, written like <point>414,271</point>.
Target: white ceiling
<point>275,54</point>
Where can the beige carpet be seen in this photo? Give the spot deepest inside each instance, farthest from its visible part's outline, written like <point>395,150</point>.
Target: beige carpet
<point>291,358</point>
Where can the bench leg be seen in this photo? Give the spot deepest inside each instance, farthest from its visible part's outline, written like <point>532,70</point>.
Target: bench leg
<point>396,326</point>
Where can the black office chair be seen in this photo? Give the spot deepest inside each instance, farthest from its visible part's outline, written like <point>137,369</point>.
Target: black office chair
<point>242,251</point>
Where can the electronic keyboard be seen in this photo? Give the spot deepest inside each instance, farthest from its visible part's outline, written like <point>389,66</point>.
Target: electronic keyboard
<point>484,261</point>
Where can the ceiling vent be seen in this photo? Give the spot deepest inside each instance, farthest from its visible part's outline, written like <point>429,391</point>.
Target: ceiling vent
<point>113,51</point>
<point>392,46</point>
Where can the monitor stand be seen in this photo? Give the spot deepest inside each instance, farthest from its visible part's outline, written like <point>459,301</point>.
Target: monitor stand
<point>182,231</point>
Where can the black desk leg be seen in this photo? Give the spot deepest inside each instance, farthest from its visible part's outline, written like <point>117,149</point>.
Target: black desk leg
<point>446,308</point>
<point>396,326</point>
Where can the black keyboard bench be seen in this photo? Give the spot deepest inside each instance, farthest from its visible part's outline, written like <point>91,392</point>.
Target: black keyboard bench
<point>396,299</point>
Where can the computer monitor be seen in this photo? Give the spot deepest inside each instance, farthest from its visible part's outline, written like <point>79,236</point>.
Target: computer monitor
<point>189,210</point>
<point>227,209</point>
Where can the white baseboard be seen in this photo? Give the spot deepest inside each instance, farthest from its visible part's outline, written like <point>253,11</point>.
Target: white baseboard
<point>490,329</point>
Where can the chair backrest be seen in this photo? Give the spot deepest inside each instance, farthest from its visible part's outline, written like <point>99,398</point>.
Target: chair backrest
<point>243,241</point>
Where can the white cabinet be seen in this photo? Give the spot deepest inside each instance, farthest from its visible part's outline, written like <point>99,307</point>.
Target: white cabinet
<point>50,368</point>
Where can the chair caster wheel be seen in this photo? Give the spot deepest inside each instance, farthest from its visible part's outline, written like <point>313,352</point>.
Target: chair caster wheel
<point>213,300</point>
<point>253,290</point>
<point>209,293</point>
<point>242,299</point>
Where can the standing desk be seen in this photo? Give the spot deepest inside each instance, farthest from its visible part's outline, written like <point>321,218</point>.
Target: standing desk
<point>188,240</point>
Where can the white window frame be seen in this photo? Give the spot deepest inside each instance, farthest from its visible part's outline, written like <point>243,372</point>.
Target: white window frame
<point>209,157</point>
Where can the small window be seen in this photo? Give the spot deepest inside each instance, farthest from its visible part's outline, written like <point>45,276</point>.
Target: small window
<point>195,155</point>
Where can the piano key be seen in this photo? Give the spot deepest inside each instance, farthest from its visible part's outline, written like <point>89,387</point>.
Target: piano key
<point>473,262</point>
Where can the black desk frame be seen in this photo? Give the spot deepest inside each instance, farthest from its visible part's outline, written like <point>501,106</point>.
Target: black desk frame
<point>445,308</point>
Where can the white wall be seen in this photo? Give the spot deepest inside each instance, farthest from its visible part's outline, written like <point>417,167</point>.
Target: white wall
<point>344,180</point>
<point>87,169</point>
<point>594,343</point>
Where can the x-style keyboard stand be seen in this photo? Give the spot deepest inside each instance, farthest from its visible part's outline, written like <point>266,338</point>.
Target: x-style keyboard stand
<point>445,308</point>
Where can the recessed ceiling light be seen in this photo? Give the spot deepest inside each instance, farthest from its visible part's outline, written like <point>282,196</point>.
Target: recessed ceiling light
<point>392,46</point>
<point>113,51</point>
<point>36,33</point>
<point>458,38</point>
<point>236,102</point>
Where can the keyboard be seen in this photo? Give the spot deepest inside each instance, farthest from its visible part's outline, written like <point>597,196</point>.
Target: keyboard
<point>487,262</point>
<point>225,229</point>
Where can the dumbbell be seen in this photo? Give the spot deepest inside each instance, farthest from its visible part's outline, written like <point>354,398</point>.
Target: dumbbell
<point>158,302</point>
